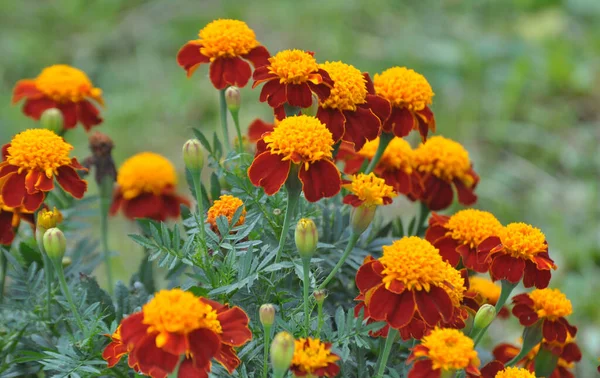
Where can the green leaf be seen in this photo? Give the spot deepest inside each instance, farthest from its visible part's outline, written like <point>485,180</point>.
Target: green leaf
<point>215,186</point>
<point>203,140</point>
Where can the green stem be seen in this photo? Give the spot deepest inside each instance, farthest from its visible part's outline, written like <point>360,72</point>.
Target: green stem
<point>236,121</point>
<point>384,140</point>
<point>389,342</point>
<point>196,178</point>
<point>319,317</point>
<point>507,288</point>
<point>106,187</point>
<point>4,263</point>
<point>354,236</point>
<point>67,293</point>
<point>223,112</point>
<point>48,276</point>
<point>267,329</point>
<point>306,271</point>
<point>294,187</point>
<point>423,213</point>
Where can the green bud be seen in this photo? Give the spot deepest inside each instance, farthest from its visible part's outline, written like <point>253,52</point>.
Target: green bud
<point>66,261</point>
<point>282,353</point>
<point>485,316</point>
<point>193,156</point>
<point>267,314</point>
<point>55,244</point>
<point>361,217</point>
<point>320,296</point>
<point>307,237</point>
<point>52,119</point>
<point>313,108</point>
<point>233,99</point>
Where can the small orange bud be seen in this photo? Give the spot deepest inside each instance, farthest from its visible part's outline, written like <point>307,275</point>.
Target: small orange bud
<point>233,99</point>
<point>52,119</point>
<point>307,237</point>
<point>282,353</point>
<point>55,244</point>
<point>267,314</point>
<point>193,157</point>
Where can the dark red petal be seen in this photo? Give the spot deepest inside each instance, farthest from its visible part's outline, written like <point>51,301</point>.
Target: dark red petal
<point>525,314</point>
<point>397,179</point>
<point>382,303</point>
<point>187,369</point>
<point>70,181</point>
<point>258,56</point>
<point>505,267</point>
<point>133,329</point>
<point>69,112</point>
<point>400,122</point>
<point>5,156</point>
<point>321,90</point>
<point>269,172</point>
<point>361,126</point>
<point>298,95</point>
<point>217,73</point>
<point>145,205</point>
<point>535,277</point>
<point>491,369</point>
<point>31,179</point>
<point>424,369</point>
<point>466,196</point>
<point>367,277</point>
<point>32,202</point>
<point>470,259</point>
<point>571,353</point>
<point>88,114</point>
<point>434,231</point>
<point>261,74</point>
<point>153,360</point>
<point>257,128</point>
<point>234,322</point>
<point>189,57</point>
<point>35,107</point>
<point>276,94</point>
<point>13,190</point>
<point>380,106</point>
<point>403,312</point>
<point>117,200</point>
<point>7,233</point>
<point>489,244</point>
<point>44,183</point>
<point>25,89</point>
<point>427,118</point>
<point>369,83</point>
<point>228,358</point>
<point>334,120</point>
<point>204,345</point>
<point>439,194</point>
<point>434,306</point>
<point>352,200</point>
<point>447,247</point>
<point>321,180</point>
<point>236,71</point>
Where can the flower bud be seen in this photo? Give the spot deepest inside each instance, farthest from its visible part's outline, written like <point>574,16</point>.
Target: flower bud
<point>193,157</point>
<point>361,217</point>
<point>47,219</point>
<point>485,316</point>
<point>282,353</point>
<point>313,108</point>
<point>55,244</point>
<point>307,237</point>
<point>52,119</point>
<point>267,314</point>
<point>233,98</point>
<point>320,296</point>
<point>66,261</point>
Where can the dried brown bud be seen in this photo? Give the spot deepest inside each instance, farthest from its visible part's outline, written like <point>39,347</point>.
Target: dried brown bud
<point>101,146</point>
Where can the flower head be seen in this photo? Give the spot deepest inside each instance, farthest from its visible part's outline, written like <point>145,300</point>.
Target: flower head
<point>226,45</point>
<point>65,88</point>
<point>368,190</point>
<point>225,206</point>
<point>314,358</point>
<point>514,372</point>
<point>297,144</point>
<point>146,188</point>
<point>410,95</point>
<point>31,162</point>
<point>49,218</point>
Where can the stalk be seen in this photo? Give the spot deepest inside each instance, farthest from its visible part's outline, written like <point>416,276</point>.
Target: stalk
<point>236,121</point>
<point>389,342</point>
<point>4,263</point>
<point>196,178</point>
<point>106,187</point>
<point>384,140</point>
<point>507,288</point>
<point>306,271</point>
<point>223,113</point>
<point>67,293</point>
<point>267,329</point>
<point>354,236</point>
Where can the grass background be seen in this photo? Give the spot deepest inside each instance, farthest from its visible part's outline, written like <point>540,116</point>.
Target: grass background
<point>516,81</point>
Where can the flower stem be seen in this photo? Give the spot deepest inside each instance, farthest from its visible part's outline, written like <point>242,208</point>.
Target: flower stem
<point>267,329</point>
<point>106,187</point>
<point>196,178</point>
<point>384,140</point>
<point>319,317</point>
<point>294,187</point>
<point>354,236</point>
<point>48,276</point>
<point>389,342</point>
<point>306,271</point>
<point>507,288</point>
<point>423,213</point>
<point>4,263</point>
<point>223,112</point>
<point>236,121</point>
<point>67,293</point>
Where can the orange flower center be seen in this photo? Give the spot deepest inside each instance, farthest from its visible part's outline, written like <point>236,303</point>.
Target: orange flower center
<point>523,240</point>
<point>404,88</point>
<point>550,303</point>
<point>49,218</point>
<point>311,354</point>
<point>39,149</point>
<point>471,227</point>
<point>514,372</point>
<point>349,86</point>
<point>145,172</point>
<point>293,66</point>
<point>180,312</point>
<point>370,189</point>
<point>226,38</point>
<point>397,156</point>
<point>64,83</point>
<point>486,288</point>
<point>225,206</point>
<point>449,349</point>
<point>301,138</point>
<point>445,159</point>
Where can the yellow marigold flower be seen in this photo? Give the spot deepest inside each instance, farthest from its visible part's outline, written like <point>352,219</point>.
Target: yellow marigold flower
<point>472,226</point>
<point>550,303</point>
<point>49,218</point>
<point>349,86</point>
<point>226,38</point>
<point>314,358</point>
<point>522,240</point>
<point>293,66</point>
<point>368,190</point>
<point>226,206</point>
<point>514,372</point>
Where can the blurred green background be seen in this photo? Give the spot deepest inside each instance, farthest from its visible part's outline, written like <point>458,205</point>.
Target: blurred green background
<point>516,81</point>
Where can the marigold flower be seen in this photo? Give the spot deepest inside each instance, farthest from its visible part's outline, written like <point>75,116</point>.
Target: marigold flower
<point>31,161</point>
<point>352,112</point>
<point>514,372</point>
<point>176,323</point>
<point>225,206</point>
<point>10,219</point>
<point>291,76</point>
<point>410,95</point>
<point>65,88</point>
<point>313,358</point>
<point>518,251</point>
<point>444,350</point>
<point>486,291</point>
<point>549,306</point>
<point>459,235</point>
<point>368,190</point>
<point>299,145</point>
<point>442,163</point>
<point>226,45</point>
<point>146,188</point>
<point>410,287</point>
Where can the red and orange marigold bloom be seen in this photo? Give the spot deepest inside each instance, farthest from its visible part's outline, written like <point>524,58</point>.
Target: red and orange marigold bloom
<point>291,77</point>
<point>225,206</point>
<point>65,88</point>
<point>442,352</point>
<point>226,45</point>
<point>30,163</point>
<point>313,358</point>
<point>10,218</point>
<point>299,145</point>
<point>410,288</point>
<point>458,236</point>
<point>410,96</point>
<point>352,112</point>
<point>486,291</point>
<point>146,188</point>
<point>442,164</point>
<point>368,190</point>
<point>176,323</point>
<point>514,372</point>
<point>549,306</point>
<point>518,251</point>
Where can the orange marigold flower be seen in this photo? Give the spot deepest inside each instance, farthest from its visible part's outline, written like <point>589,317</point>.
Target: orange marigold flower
<point>518,251</point>
<point>65,88</point>
<point>291,76</point>
<point>442,163</point>
<point>486,291</point>
<point>410,95</point>
<point>31,161</point>
<point>176,323</point>
<point>10,219</point>
<point>442,351</point>
<point>352,112</point>
<point>225,206</point>
<point>549,306</point>
<point>410,287</point>
<point>368,190</point>
<point>314,358</point>
<point>146,188</point>
<point>299,145</point>
<point>459,235</point>
<point>226,45</point>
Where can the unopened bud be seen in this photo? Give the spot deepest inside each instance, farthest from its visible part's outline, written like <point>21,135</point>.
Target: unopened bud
<point>320,296</point>
<point>307,237</point>
<point>193,156</point>
<point>282,353</point>
<point>485,316</point>
<point>361,217</point>
<point>233,98</point>
<point>52,119</point>
<point>313,108</point>
<point>267,314</point>
<point>55,244</point>
<point>66,261</point>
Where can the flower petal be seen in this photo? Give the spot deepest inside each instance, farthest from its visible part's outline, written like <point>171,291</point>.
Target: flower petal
<point>44,183</point>
<point>189,57</point>
<point>362,125</point>
<point>367,277</point>
<point>30,180</point>
<point>7,233</point>
<point>322,179</point>
<point>257,128</point>
<point>434,306</point>
<point>204,345</point>
<point>187,369</point>
<point>153,360</point>
<point>234,322</point>
<point>400,122</point>
<point>32,202</point>
<point>439,194</point>
<point>380,107</point>
<point>70,114</point>
<point>145,205</point>
<point>35,107</point>
<point>228,358</point>
<point>334,120</point>
<point>236,71</point>
<point>382,303</point>
<point>423,369</point>
<point>258,56</point>
<point>13,190</point>
<point>269,172</point>
<point>505,267</point>
<point>466,196</point>
<point>299,95</point>
<point>404,310</point>
<point>25,89</point>
<point>70,181</point>
<point>88,114</point>
<point>534,276</point>
<point>321,90</point>
<point>447,247</point>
